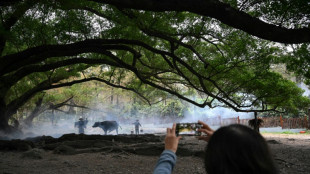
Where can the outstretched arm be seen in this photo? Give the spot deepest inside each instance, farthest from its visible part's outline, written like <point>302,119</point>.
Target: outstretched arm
<point>165,163</point>
<point>167,160</point>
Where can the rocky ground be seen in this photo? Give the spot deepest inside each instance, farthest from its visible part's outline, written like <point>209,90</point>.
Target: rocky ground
<point>128,154</point>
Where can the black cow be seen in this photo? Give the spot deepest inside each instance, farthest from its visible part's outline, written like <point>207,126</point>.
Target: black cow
<point>107,126</point>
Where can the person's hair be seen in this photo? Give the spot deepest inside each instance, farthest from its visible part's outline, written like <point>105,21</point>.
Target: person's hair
<point>237,149</point>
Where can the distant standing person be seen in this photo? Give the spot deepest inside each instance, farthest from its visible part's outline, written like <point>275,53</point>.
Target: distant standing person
<point>81,124</point>
<point>137,125</point>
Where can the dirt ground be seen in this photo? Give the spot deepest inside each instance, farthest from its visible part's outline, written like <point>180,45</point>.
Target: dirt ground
<point>291,152</point>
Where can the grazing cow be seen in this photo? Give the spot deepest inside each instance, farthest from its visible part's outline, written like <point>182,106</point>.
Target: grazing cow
<point>107,126</point>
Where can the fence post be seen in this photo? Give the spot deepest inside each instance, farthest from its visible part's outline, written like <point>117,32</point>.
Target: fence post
<point>281,121</point>
<point>256,127</point>
<point>238,120</point>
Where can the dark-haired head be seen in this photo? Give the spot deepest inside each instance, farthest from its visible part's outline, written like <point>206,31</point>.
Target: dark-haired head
<point>237,149</point>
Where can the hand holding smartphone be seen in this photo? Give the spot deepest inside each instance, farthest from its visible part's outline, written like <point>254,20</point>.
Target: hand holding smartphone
<point>190,129</point>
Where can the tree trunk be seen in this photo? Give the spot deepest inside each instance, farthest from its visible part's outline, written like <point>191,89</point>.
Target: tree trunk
<point>112,97</point>
<point>4,121</point>
<point>4,124</point>
<point>53,119</point>
<point>37,111</point>
<point>256,127</point>
<point>71,110</point>
<point>309,118</point>
<point>117,101</point>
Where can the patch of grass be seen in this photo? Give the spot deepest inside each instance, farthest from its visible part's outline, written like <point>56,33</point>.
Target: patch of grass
<point>285,132</point>
<point>288,132</point>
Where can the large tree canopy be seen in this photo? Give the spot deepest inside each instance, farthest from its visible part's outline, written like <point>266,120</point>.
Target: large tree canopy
<point>221,51</point>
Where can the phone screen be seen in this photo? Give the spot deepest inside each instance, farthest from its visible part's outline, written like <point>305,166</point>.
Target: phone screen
<point>188,129</point>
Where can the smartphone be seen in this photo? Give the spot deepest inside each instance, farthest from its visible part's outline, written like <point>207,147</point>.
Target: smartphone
<point>188,129</point>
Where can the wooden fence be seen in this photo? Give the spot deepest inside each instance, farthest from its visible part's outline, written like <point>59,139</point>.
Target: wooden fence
<point>285,123</point>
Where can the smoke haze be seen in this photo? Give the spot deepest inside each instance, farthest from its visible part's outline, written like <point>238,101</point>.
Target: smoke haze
<point>152,125</point>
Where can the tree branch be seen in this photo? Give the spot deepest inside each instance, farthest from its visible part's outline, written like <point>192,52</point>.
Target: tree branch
<point>222,12</point>
<point>15,61</point>
<point>26,70</point>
